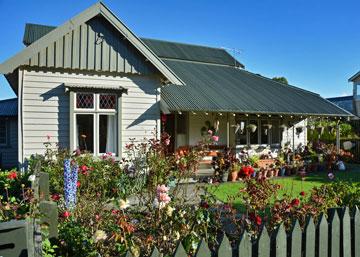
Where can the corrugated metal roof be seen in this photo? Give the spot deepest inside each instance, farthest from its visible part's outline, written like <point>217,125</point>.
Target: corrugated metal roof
<point>227,89</point>
<point>182,51</point>
<point>96,87</point>
<point>34,32</point>
<point>164,49</point>
<point>8,107</point>
<point>345,102</point>
<point>354,77</point>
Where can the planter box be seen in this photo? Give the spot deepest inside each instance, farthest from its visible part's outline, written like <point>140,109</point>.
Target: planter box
<point>17,238</point>
<point>265,163</point>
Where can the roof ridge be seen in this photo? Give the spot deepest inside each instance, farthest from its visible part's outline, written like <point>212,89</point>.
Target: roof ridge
<point>182,43</point>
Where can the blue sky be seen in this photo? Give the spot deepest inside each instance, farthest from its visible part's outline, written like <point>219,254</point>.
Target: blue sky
<point>314,44</point>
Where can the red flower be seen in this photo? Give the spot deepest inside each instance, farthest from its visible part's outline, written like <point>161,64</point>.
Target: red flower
<point>66,214</point>
<point>12,175</point>
<point>295,202</point>
<point>78,184</point>
<point>204,205</point>
<point>302,193</point>
<point>97,217</point>
<point>258,220</point>
<point>84,169</point>
<point>55,197</point>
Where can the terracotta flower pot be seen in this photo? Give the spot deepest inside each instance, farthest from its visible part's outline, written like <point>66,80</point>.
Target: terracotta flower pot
<point>233,175</point>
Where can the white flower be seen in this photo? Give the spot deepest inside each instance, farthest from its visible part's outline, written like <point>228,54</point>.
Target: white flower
<point>177,235</point>
<point>32,178</point>
<point>124,204</point>
<point>99,235</point>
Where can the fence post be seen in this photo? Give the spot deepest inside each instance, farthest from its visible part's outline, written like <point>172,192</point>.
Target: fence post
<point>225,249</point>
<point>322,237</point>
<point>263,244</point>
<point>356,233</point>
<point>203,249</point>
<point>334,233</point>
<point>279,242</point>
<point>245,245</point>
<point>309,238</point>
<point>180,251</point>
<point>345,232</point>
<point>294,239</point>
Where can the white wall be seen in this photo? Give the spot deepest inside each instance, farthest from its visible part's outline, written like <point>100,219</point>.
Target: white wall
<point>46,107</point>
<point>196,122</point>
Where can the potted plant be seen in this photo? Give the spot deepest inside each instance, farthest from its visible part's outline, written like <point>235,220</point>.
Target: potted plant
<point>234,170</point>
<point>251,127</point>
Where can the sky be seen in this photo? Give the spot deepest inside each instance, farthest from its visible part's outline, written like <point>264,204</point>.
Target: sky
<point>315,44</point>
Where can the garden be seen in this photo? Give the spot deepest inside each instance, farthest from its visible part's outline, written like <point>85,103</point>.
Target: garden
<point>141,206</point>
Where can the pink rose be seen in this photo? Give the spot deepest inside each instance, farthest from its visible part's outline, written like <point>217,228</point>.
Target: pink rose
<point>210,132</point>
<point>215,138</point>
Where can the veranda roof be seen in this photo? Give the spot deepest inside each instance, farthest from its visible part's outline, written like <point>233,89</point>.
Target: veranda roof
<point>217,88</point>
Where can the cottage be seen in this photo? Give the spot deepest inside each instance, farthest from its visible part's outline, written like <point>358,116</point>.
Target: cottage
<point>92,84</point>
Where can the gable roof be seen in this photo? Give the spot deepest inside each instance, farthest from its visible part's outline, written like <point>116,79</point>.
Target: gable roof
<point>97,9</point>
<point>354,77</point>
<point>34,32</point>
<point>182,51</point>
<point>218,88</point>
<point>9,107</point>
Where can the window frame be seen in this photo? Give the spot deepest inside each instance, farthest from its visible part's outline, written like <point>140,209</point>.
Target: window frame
<point>96,112</point>
<point>258,122</point>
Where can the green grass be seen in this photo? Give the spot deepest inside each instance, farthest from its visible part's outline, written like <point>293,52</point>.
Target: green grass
<point>289,185</point>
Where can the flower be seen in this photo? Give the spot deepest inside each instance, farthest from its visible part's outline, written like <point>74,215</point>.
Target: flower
<point>302,193</point>
<point>55,197</point>
<point>66,214</point>
<point>204,205</point>
<point>331,176</point>
<point>32,178</point>
<point>48,136</point>
<point>169,211</point>
<point>167,141</point>
<point>210,132</point>
<point>258,220</point>
<point>12,175</point>
<point>99,235</point>
<point>124,204</point>
<point>295,202</point>
<point>162,189</point>
<point>215,138</point>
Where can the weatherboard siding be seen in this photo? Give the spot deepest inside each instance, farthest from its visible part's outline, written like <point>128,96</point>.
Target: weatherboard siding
<point>46,107</point>
<point>93,46</point>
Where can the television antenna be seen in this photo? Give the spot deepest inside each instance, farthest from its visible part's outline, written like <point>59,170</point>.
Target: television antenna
<point>234,51</point>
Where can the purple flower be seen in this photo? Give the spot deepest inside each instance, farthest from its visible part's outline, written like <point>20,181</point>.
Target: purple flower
<point>70,181</point>
<point>331,176</point>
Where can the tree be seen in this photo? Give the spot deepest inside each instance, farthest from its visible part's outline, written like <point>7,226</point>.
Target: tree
<point>281,80</point>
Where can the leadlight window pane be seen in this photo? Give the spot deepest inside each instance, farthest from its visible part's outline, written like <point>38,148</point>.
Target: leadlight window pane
<point>2,132</point>
<point>84,101</point>
<point>107,101</point>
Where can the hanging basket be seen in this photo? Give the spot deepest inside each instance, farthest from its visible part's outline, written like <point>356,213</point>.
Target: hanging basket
<point>251,127</point>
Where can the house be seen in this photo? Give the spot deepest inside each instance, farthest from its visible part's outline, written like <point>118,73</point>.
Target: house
<point>92,84</point>
<point>350,103</point>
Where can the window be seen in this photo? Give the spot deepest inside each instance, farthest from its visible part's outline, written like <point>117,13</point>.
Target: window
<point>96,122</point>
<point>275,133</point>
<point>3,132</point>
<point>265,132</point>
<point>241,134</point>
<point>254,138</point>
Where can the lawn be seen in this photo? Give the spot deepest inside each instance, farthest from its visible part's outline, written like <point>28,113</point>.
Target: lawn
<point>289,185</point>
